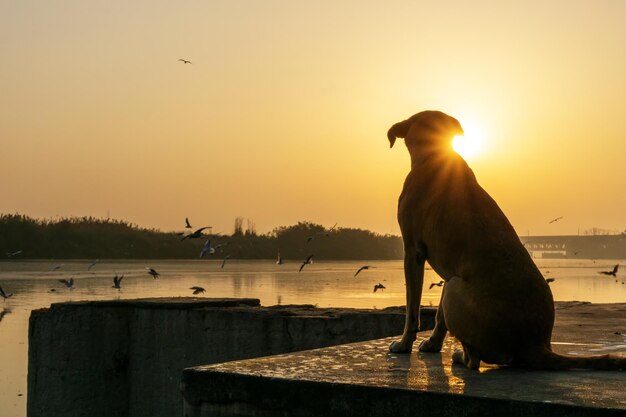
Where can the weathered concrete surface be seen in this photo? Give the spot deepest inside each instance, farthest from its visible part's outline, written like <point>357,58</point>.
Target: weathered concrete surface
<point>364,379</point>
<point>125,357</point>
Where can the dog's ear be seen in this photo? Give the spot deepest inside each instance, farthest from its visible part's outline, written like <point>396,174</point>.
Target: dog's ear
<point>399,130</point>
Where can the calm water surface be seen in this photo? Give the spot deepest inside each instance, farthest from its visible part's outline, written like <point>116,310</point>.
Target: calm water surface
<point>322,283</point>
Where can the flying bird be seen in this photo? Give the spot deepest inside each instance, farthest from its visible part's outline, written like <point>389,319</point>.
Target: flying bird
<point>322,233</point>
<point>279,261</point>
<point>327,232</point>
<point>92,264</point>
<point>197,290</point>
<point>554,220</point>
<point>549,280</point>
<point>5,295</point>
<point>207,248</point>
<point>117,282</point>
<point>12,254</point>
<point>68,283</point>
<point>56,267</point>
<point>308,261</point>
<point>436,284</point>
<point>195,235</point>
<point>224,261</point>
<point>613,272</point>
<point>362,268</point>
<point>153,272</point>
<point>220,246</point>
<point>187,224</point>
<point>379,286</point>
<point>184,61</point>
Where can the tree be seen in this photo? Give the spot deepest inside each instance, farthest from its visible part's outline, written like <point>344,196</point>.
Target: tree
<point>238,226</point>
<point>251,230</point>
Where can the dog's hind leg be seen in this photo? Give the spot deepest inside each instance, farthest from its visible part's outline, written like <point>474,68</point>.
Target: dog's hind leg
<point>414,277</point>
<point>435,341</point>
<point>468,357</point>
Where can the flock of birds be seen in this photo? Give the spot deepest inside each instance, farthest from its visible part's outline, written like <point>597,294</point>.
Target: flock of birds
<point>208,248</point>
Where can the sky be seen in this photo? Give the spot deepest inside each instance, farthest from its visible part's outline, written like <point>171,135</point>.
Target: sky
<point>282,115</point>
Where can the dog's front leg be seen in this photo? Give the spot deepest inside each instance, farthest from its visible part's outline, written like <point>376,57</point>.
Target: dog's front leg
<point>435,341</point>
<point>414,278</point>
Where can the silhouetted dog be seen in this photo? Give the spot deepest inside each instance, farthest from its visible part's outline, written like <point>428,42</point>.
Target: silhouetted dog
<point>495,300</point>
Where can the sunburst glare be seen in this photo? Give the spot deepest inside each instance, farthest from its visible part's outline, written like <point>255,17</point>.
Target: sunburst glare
<point>472,143</point>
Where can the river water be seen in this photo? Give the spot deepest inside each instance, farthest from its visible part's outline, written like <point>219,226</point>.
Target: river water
<point>325,284</point>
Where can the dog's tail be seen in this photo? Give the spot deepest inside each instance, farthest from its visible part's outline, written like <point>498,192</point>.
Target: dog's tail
<point>553,361</point>
<point>399,130</point>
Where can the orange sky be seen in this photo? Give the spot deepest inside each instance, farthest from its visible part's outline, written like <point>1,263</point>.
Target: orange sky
<point>283,115</point>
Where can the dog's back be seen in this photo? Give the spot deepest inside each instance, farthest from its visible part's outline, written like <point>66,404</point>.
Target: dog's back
<point>465,234</point>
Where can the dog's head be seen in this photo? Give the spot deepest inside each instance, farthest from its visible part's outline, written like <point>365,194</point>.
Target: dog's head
<point>429,130</point>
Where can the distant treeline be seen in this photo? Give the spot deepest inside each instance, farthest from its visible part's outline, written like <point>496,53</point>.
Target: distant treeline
<point>93,238</point>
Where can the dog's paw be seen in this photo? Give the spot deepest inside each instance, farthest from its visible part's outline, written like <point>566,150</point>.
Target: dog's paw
<point>457,357</point>
<point>400,347</point>
<point>429,345</point>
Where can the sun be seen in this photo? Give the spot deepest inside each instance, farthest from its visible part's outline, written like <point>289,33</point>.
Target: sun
<point>471,144</point>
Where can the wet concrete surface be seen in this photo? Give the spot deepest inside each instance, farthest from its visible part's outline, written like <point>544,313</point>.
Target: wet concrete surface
<point>365,379</point>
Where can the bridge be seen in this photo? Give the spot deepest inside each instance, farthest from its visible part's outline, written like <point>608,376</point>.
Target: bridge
<point>577,247</point>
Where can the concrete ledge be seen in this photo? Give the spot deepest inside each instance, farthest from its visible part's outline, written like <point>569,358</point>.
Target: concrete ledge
<point>125,357</point>
<point>364,379</point>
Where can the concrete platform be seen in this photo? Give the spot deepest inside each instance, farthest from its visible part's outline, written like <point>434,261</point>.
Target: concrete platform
<point>125,357</point>
<point>364,379</point>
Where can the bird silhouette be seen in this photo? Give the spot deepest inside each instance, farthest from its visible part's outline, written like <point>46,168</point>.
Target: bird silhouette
<point>68,283</point>
<point>187,224</point>
<point>554,220</point>
<point>220,246</point>
<point>362,268</point>
<point>436,284</point>
<point>308,261</point>
<point>184,61</point>
<point>5,295</point>
<point>197,290</point>
<point>326,232</point>
<point>549,280</point>
<point>331,229</point>
<point>117,282</point>
<point>613,272</point>
<point>195,235</point>
<point>379,286</point>
<point>207,248</point>
<point>153,272</point>
<point>12,254</point>
<point>92,264</point>
<point>224,261</point>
